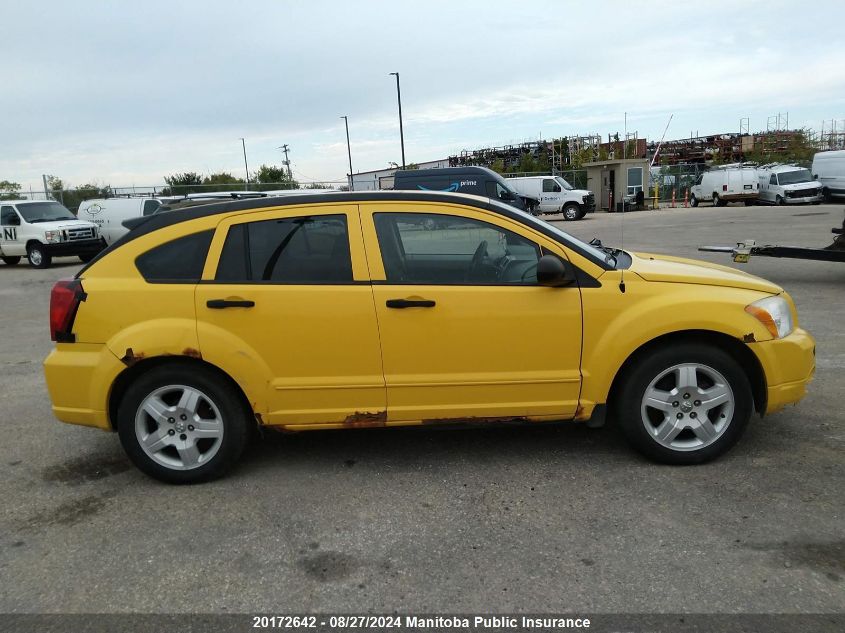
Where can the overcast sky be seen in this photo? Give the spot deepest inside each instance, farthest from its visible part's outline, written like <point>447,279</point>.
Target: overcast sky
<point>124,93</point>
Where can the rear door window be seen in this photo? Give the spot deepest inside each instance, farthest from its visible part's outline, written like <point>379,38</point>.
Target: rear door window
<point>301,250</point>
<point>178,261</point>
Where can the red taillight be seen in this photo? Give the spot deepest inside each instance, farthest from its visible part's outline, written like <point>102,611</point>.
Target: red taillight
<point>724,187</point>
<point>64,301</point>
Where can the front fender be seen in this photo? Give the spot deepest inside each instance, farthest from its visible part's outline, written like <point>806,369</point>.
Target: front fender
<point>617,324</point>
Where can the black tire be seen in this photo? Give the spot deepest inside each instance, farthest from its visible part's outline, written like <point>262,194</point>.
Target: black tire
<point>627,406</point>
<point>717,202</point>
<point>779,201</point>
<point>235,419</point>
<point>572,211</point>
<point>693,201</point>
<point>11,260</point>
<point>826,197</point>
<point>87,257</point>
<point>38,256</point>
<point>749,203</point>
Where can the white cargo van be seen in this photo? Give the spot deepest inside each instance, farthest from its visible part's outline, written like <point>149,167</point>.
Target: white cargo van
<point>829,170</point>
<point>109,213</point>
<point>554,195</point>
<point>788,184</point>
<point>43,229</point>
<point>729,183</point>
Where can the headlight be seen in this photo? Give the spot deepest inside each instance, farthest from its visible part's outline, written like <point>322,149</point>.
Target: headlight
<point>774,313</point>
<point>53,236</point>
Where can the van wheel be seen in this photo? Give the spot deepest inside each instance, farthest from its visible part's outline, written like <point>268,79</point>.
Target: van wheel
<point>11,260</point>
<point>182,424</point>
<point>684,404</point>
<point>749,203</point>
<point>717,202</point>
<point>693,201</point>
<point>37,256</point>
<point>826,195</point>
<point>572,211</point>
<point>87,258</point>
<point>780,201</point>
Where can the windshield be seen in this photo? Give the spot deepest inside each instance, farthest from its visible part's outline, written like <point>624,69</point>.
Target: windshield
<point>794,177</point>
<point>44,212</point>
<point>563,183</point>
<point>600,255</point>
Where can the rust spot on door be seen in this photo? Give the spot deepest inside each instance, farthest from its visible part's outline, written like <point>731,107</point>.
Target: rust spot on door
<point>365,419</point>
<point>749,338</point>
<point>130,357</point>
<point>193,353</point>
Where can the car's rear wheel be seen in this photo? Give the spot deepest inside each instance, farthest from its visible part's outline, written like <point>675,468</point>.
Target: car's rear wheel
<point>182,424</point>
<point>693,201</point>
<point>11,260</point>
<point>37,256</point>
<point>684,404</point>
<point>717,202</point>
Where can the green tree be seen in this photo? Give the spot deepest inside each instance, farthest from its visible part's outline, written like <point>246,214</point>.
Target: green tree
<point>9,190</point>
<point>183,183</point>
<point>222,178</point>
<point>318,185</point>
<point>498,166</point>
<point>268,177</point>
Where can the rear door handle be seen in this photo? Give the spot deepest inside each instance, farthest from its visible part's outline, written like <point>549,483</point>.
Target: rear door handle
<point>410,303</point>
<point>219,304</point>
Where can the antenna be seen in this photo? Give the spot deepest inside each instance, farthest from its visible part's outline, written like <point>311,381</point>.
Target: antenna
<point>622,221</point>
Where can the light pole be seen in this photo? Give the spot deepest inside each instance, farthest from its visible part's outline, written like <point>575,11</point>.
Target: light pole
<point>349,153</point>
<point>246,166</point>
<point>401,132</point>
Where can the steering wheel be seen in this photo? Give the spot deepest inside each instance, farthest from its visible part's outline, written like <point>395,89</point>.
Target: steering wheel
<point>477,259</point>
<point>531,269</point>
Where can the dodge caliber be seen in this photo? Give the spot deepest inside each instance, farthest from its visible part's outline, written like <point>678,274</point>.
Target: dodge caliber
<point>380,309</point>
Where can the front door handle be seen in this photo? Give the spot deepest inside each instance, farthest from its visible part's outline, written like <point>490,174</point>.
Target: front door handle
<point>410,303</point>
<point>219,304</point>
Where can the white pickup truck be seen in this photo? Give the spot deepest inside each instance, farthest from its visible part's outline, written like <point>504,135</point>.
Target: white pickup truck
<point>41,230</point>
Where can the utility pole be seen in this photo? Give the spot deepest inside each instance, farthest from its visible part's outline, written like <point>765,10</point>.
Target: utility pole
<point>286,161</point>
<point>246,166</point>
<point>349,153</point>
<point>401,131</point>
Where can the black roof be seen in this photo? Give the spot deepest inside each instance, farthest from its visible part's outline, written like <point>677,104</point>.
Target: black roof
<point>147,224</point>
<point>446,171</point>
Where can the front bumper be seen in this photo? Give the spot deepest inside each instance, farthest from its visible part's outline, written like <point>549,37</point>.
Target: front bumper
<point>76,247</point>
<point>803,199</point>
<point>788,364</point>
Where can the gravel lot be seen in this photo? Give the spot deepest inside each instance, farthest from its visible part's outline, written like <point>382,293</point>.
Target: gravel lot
<point>556,518</point>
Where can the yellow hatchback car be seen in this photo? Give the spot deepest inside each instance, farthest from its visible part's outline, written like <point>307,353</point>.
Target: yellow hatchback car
<point>376,309</point>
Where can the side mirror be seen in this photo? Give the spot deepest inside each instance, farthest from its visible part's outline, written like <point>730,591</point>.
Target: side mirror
<point>551,271</point>
<point>506,195</point>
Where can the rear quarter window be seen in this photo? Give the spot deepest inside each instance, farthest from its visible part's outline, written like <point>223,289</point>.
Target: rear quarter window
<point>178,261</point>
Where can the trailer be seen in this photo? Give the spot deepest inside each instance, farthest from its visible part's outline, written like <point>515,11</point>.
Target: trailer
<point>743,251</point>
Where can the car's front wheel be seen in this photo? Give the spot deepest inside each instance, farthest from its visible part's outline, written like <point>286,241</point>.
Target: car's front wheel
<point>182,424</point>
<point>684,404</point>
<point>693,201</point>
<point>38,256</point>
<point>572,212</point>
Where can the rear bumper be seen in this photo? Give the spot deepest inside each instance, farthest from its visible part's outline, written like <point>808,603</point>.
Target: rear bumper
<point>81,247</point>
<point>79,378</point>
<point>789,364</point>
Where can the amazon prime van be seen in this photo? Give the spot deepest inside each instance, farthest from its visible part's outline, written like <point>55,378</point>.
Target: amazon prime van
<point>478,181</point>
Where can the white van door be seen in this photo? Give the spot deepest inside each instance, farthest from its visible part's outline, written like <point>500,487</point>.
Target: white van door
<point>12,243</point>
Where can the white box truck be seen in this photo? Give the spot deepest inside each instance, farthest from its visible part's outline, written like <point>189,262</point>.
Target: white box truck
<point>788,184</point>
<point>829,171</point>
<point>554,195</point>
<point>729,183</point>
